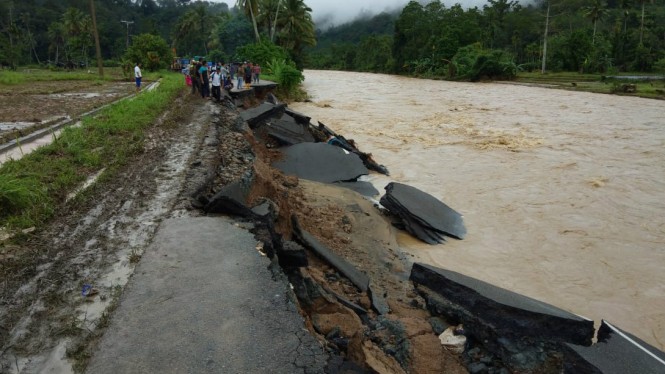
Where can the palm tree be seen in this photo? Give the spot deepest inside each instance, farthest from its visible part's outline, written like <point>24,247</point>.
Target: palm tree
<point>595,12</point>
<point>268,15</point>
<point>56,34</point>
<point>251,9</point>
<point>297,27</point>
<point>642,19</point>
<point>196,21</point>
<point>625,6</point>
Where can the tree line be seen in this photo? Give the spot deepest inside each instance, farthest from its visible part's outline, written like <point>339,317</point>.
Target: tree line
<point>59,32</point>
<point>500,39</point>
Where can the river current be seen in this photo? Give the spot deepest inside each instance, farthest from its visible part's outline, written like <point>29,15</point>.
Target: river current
<point>562,192</point>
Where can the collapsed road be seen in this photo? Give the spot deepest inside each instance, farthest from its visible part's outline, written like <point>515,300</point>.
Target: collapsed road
<point>335,270</point>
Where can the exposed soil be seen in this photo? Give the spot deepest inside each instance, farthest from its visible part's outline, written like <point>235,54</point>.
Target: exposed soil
<point>61,283</point>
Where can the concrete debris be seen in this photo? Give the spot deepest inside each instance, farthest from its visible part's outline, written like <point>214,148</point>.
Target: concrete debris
<point>230,199</point>
<point>422,214</point>
<point>320,162</point>
<point>299,117</point>
<point>452,342</point>
<point>291,255</point>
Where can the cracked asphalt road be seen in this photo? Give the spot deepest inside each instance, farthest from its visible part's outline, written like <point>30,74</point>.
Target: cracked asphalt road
<point>203,300</point>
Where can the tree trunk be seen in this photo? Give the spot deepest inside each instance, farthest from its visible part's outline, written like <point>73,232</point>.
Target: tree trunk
<point>274,24</point>
<point>547,25</point>
<point>642,22</point>
<point>100,63</point>
<point>256,29</point>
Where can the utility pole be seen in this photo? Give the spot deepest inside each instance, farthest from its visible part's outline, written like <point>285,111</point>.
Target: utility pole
<point>127,23</point>
<point>100,63</point>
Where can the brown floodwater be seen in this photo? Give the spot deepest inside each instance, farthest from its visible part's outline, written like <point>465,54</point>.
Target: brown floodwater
<point>562,192</point>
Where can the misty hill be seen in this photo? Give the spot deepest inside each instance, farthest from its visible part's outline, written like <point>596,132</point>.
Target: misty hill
<point>354,31</point>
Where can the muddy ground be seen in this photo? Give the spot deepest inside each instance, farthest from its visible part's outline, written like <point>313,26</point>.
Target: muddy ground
<point>26,107</point>
<point>61,283</point>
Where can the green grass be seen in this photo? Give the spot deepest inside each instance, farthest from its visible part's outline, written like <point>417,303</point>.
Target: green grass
<point>594,83</point>
<point>31,188</point>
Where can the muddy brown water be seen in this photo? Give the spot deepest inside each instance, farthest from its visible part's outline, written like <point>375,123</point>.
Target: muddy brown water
<point>562,192</point>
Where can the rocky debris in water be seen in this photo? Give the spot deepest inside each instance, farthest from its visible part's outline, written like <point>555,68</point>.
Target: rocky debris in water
<point>261,113</point>
<point>616,352</point>
<point>358,278</point>
<point>423,215</point>
<point>288,131</point>
<point>320,162</point>
<point>525,334</point>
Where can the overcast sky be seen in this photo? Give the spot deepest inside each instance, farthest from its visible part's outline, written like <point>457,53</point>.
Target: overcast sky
<point>335,12</point>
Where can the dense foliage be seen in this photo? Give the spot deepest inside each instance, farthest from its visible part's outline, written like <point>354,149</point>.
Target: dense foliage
<point>500,38</point>
<point>59,32</point>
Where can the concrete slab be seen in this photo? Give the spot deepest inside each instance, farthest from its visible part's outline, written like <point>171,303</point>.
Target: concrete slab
<point>203,301</point>
<point>256,115</point>
<point>288,131</point>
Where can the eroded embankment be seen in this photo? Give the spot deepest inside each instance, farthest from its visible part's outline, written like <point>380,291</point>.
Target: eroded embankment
<point>352,281</point>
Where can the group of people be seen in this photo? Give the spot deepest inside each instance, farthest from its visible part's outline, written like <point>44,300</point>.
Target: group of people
<point>202,76</point>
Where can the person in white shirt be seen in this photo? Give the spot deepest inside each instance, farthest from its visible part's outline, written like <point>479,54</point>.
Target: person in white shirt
<point>138,76</point>
<point>216,84</point>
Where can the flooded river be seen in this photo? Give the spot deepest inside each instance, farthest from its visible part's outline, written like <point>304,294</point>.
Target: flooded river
<point>562,192</point>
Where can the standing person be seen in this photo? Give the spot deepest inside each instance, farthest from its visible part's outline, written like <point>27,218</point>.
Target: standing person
<point>193,73</point>
<point>248,74</point>
<point>138,76</point>
<point>257,72</point>
<point>239,74</point>
<point>224,72</point>
<point>205,82</point>
<point>216,79</point>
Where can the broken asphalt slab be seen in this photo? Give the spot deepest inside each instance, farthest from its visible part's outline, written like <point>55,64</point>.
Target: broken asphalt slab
<point>618,352</point>
<point>423,215</point>
<point>255,116</point>
<point>508,313</point>
<point>202,300</point>
<point>320,162</point>
<point>288,131</point>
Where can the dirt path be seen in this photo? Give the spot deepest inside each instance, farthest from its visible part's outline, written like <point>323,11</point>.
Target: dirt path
<point>96,240</point>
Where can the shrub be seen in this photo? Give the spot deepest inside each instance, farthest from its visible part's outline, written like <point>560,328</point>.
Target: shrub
<point>262,53</point>
<point>475,63</point>
<point>150,50</point>
<point>286,74</point>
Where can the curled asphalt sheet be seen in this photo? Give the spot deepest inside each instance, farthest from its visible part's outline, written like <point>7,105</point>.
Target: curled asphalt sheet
<point>618,352</point>
<point>320,162</point>
<point>507,312</point>
<point>423,215</point>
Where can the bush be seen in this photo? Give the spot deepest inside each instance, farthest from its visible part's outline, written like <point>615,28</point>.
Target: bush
<point>659,66</point>
<point>286,74</point>
<point>150,50</point>
<point>262,53</point>
<point>475,63</point>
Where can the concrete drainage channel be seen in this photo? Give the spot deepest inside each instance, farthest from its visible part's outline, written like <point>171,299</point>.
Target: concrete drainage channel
<point>361,305</point>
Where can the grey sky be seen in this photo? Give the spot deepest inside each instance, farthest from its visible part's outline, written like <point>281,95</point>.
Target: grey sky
<point>340,11</point>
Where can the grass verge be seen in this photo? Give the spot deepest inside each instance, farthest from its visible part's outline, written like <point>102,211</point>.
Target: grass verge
<point>32,188</point>
<point>595,83</point>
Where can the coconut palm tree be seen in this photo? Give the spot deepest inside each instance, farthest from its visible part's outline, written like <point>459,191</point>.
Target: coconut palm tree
<point>268,15</point>
<point>596,11</point>
<point>297,27</point>
<point>251,9</point>
<point>56,35</point>
<point>196,21</point>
